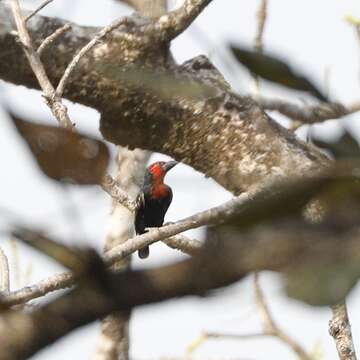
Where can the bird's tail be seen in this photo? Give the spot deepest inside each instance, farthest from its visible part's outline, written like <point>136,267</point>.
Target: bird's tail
<point>144,252</point>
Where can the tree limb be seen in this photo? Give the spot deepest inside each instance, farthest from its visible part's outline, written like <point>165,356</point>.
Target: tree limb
<point>308,114</point>
<point>258,150</point>
<point>65,280</point>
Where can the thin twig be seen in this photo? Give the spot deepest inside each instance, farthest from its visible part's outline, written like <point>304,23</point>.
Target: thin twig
<point>261,16</point>
<point>4,273</point>
<point>214,335</point>
<point>308,114</point>
<point>27,18</point>
<point>340,330</point>
<point>55,104</point>
<point>270,327</point>
<point>110,186</point>
<point>51,38</point>
<point>99,36</point>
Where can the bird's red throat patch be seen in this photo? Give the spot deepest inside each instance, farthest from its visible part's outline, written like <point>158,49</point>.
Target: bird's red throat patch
<point>159,189</point>
<point>157,171</point>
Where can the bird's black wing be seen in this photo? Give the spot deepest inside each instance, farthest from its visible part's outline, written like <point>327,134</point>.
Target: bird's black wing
<point>167,200</point>
<point>140,214</point>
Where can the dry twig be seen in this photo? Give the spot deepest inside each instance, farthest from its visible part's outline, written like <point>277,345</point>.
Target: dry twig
<point>51,38</point>
<point>340,330</point>
<point>56,106</point>
<point>95,40</point>
<point>4,273</point>
<point>110,186</point>
<point>261,16</point>
<point>270,326</point>
<point>308,114</point>
<point>39,8</point>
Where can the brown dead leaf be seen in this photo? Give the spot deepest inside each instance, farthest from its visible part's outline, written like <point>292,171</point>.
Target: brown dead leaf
<point>64,155</point>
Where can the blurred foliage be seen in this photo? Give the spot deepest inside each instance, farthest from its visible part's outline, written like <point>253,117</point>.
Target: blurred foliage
<point>276,70</point>
<point>346,146</point>
<point>82,261</point>
<point>64,155</point>
<point>161,83</point>
<point>321,284</point>
<point>331,202</point>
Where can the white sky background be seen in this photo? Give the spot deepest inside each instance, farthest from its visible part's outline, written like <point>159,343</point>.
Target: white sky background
<point>313,36</point>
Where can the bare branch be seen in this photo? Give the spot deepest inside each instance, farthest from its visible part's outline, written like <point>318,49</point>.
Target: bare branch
<point>4,273</point>
<point>308,114</point>
<point>211,216</point>
<point>261,16</point>
<point>95,40</point>
<point>52,38</point>
<point>170,25</point>
<point>340,330</point>
<point>57,108</point>
<point>65,280</point>
<point>39,8</point>
<point>42,288</point>
<point>148,8</point>
<point>110,186</point>
<point>270,327</point>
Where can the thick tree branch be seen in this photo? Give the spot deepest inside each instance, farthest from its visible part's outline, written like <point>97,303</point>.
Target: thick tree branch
<point>258,150</point>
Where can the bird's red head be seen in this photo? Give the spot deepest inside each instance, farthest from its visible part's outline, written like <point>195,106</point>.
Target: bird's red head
<point>159,169</point>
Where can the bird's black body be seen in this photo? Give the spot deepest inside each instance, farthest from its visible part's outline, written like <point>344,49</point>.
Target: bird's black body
<point>153,200</point>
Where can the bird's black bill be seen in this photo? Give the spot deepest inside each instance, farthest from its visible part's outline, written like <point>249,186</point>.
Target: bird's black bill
<point>169,165</point>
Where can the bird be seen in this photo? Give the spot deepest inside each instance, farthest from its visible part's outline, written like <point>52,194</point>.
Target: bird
<point>153,200</point>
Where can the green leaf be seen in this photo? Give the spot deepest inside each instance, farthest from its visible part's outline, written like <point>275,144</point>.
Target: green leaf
<point>276,70</point>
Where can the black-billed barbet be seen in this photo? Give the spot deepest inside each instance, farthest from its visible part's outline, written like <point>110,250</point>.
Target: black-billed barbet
<point>153,200</point>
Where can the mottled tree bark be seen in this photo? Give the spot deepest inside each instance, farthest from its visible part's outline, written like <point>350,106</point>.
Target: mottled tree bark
<point>224,135</point>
